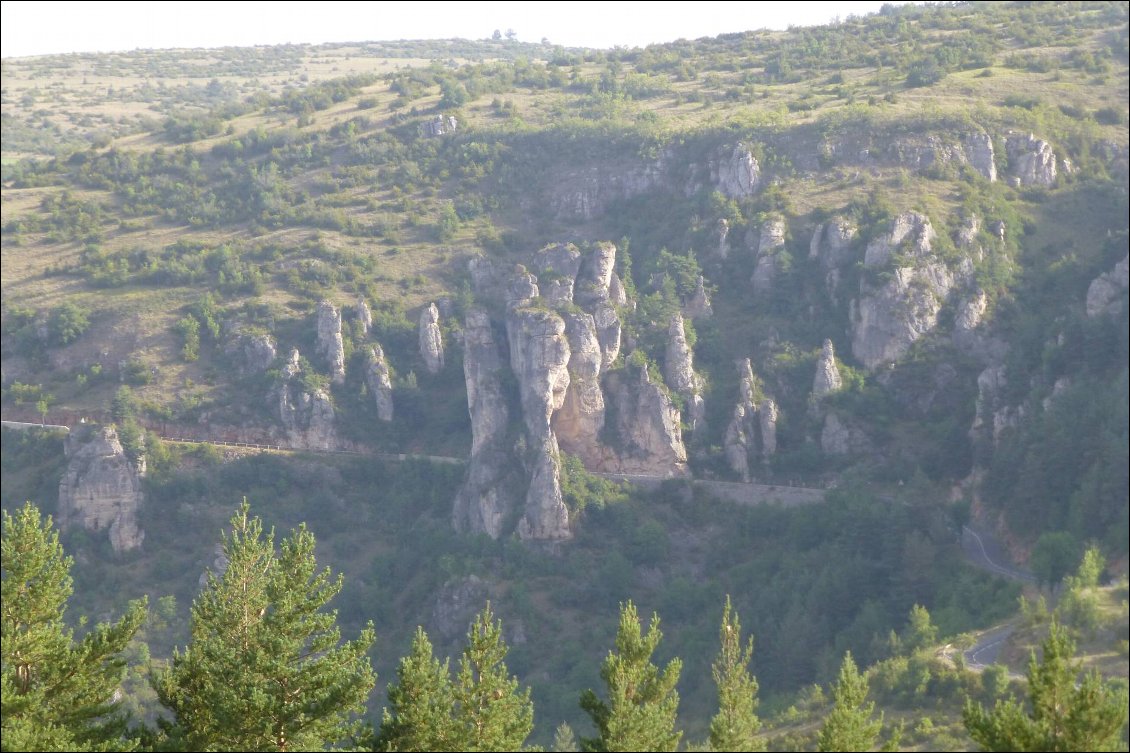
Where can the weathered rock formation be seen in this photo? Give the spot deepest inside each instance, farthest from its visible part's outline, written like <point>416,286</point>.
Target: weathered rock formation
<point>431,339</point>
<point>330,346</point>
<point>970,312</point>
<point>379,381</point>
<point>904,288</point>
<point>841,437</point>
<point>769,247</point>
<point>252,352</point>
<point>490,494</point>
<point>993,415</point>
<point>1107,292</point>
<point>580,420</point>
<point>306,415</point>
<point>698,305</point>
<point>752,431</point>
<point>723,229</point>
<point>678,371</point>
<point>1031,161</point>
<point>559,351</point>
<point>827,377</point>
<point>101,487</point>
<point>648,431</point>
<point>364,316</point>
<point>735,172</point>
<point>831,245</point>
<point>539,358</point>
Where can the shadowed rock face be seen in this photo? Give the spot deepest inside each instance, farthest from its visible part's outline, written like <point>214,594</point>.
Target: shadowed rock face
<point>101,488</point>
<point>1031,161</point>
<point>1106,292</point>
<point>379,382</point>
<point>770,243</point>
<point>330,345</point>
<point>431,339</point>
<point>648,427</point>
<point>306,417</point>
<point>489,493</point>
<point>902,303</point>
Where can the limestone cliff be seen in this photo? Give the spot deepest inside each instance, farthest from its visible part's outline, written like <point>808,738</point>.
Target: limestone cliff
<point>678,371</point>
<point>379,382</point>
<point>101,487</point>
<point>431,339</point>
<point>735,172</point>
<point>770,245</point>
<point>490,493</point>
<point>1107,292</point>
<point>252,352</point>
<point>698,306</point>
<point>306,413</point>
<point>1031,161</point>
<point>539,358</point>
<point>903,289</point>
<point>831,245</point>
<point>827,377</point>
<point>647,426</point>
<point>580,420</point>
<point>330,347</point>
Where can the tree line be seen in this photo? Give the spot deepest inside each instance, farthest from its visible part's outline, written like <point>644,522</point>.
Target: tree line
<point>266,669</point>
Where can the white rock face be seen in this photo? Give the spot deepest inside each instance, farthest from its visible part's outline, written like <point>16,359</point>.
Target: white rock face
<point>971,311</point>
<point>767,415</point>
<point>101,487</point>
<point>379,382</point>
<point>252,352</point>
<point>330,346</point>
<point>979,152</point>
<point>902,305</point>
<point>431,339</point>
<point>735,172</point>
<point>736,442</point>
<point>723,230</point>
<point>580,420</point>
<point>1031,161</point>
<point>678,370</point>
<point>827,379</point>
<point>993,414</point>
<point>1107,291</point>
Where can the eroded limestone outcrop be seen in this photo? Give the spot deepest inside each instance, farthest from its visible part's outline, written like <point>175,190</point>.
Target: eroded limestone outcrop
<point>431,339</point>
<point>832,246</point>
<point>678,371</point>
<point>752,431</point>
<point>735,172</point>
<point>903,289</point>
<point>1107,292</point>
<point>490,493</point>
<point>101,487</point>
<point>306,413</point>
<point>330,346</point>
<point>379,382</point>
<point>770,244</point>
<point>252,352</point>
<point>648,431</point>
<point>580,420</point>
<point>364,315</point>
<point>827,379</point>
<point>1031,161</point>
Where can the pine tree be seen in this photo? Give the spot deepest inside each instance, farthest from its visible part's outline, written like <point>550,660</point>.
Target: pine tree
<point>492,714</point>
<point>264,669</point>
<point>1063,716</point>
<point>735,725</point>
<point>421,704</point>
<point>56,694</point>
<point>850,727</point>
<point>563,739</point>
<point>642,701</point>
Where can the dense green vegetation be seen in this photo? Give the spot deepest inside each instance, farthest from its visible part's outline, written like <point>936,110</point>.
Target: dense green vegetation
<point>161,205</point>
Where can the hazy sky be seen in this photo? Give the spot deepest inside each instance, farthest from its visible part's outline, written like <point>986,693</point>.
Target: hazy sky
<point>37,28</point>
